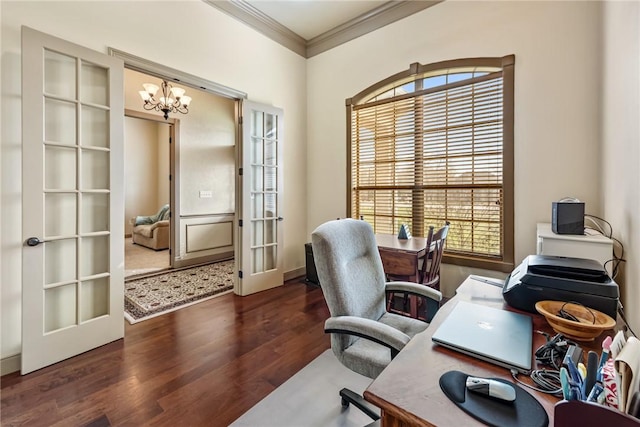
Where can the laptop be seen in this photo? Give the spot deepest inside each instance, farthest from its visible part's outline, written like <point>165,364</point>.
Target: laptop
<point>497,336</point>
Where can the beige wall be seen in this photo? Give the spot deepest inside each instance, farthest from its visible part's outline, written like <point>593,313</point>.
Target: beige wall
<point>621,141</point>
<point>576,109</point>
<point>208,44</point>
<point>557,92</point>
<point>141,168</point>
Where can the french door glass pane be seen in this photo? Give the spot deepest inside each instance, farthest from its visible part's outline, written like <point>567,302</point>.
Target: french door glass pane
<point>95,127</point>
<point>60,214</point>
<point>59,168</point>
<point>270,231</point>
<point>270,179</point>
<point>60,307</point>
<point>95,170</point>
<point>257,262</point>
<point>59,261</point>
<point>94,255</point>
<point>60,122</point>
<point>270,152</point>
<point>257,180</point>
<point>95,212</point>
<point>269,258</point>
<point>257,206</point>
<point>257,124</point>
<point>257,233</point>
<point>94,298</point>
<point>94,82</point>
<point>270,126</point>
<point>59,75</point>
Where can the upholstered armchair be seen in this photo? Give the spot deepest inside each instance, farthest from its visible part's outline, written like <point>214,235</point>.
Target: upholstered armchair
<point>152,231</point>
<point>364,336</point>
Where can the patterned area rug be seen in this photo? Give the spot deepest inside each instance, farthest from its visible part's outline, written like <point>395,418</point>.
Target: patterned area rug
<point>152,296</point>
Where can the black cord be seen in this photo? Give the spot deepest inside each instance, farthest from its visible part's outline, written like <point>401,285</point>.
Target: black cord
<point>624,319</point>
<point>616,260</point>
<point>547,381</point>
<point>552,352</point>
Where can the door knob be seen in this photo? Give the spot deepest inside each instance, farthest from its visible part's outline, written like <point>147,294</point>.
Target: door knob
<point>280,218</point>
<point>34,241</point>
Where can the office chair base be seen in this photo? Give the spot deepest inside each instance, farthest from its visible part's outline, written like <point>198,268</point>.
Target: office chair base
<point>358,401</point>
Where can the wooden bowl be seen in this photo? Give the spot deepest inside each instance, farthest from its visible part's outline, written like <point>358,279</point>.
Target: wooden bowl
<point>591,323</point>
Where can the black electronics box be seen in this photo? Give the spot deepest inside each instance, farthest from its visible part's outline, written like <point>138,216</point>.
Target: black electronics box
<point>312,273</point>
<point>567,217</point>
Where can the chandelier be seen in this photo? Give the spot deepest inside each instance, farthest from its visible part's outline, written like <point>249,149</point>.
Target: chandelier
<point>173,99</point>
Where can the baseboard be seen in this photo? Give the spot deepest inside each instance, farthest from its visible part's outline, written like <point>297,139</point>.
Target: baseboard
<point>202,260</point>
<point>294,274</point>
<point>10,364</point>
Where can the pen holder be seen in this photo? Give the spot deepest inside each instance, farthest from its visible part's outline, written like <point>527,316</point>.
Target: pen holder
<point>569,413</point>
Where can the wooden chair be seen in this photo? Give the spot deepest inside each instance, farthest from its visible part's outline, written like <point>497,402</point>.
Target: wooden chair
<point>429,267</point>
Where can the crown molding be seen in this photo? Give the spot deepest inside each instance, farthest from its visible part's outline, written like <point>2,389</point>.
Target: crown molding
<point>377,18</point>
<point>244,12</point>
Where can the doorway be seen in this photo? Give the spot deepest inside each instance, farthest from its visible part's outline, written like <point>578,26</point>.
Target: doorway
<point>148,201</point>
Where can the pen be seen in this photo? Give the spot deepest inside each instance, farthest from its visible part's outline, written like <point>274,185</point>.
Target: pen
<point>592,372</point>
<point>574,378</point>
<point>606,346</point>
<point>564,383</point>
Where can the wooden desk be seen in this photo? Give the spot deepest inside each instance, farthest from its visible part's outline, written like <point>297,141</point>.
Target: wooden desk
<point>400,256</point>
<point>408,391</point>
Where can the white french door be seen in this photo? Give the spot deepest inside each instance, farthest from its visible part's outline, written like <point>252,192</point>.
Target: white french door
<point>260,215</point>
<point>73,227</point>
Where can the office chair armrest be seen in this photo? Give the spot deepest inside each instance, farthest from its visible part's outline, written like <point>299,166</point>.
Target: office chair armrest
<point>414,288</point>
<point>369,329</point>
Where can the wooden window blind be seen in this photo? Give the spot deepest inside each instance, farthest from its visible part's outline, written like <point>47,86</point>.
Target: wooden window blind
<point>435,154</point>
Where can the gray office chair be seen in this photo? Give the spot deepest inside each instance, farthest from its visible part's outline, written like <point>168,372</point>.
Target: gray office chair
<point>364,336</point>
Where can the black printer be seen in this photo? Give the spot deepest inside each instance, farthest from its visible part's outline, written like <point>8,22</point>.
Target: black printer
<point>544,277</point>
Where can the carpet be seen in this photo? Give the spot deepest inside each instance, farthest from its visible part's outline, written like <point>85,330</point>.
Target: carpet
<point>162,293</point>
<point>310,398</point>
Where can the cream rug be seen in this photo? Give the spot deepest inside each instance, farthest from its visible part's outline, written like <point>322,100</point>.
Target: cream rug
<point>163,293</point>
<point>310,398</point>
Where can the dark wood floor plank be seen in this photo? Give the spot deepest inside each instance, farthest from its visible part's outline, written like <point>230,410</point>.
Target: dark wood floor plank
<point>203,365</point>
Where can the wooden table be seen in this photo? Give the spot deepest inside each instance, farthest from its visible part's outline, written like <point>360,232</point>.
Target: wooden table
<point>407,391</point>
<point>400,256</point>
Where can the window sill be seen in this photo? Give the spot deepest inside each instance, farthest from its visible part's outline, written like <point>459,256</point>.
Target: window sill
<point>476,262</point>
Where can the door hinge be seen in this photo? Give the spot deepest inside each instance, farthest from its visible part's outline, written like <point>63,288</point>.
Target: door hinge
<point>239,223</point>
<point>170,140</point>
<point>170,215</point>
<point>170,177</point>
<point>240,171</point>
<point>170,252</point>
<point>240,120</point>
<point>240,274</point>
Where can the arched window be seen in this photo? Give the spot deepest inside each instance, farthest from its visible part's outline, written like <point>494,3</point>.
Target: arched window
<point>434,144</point>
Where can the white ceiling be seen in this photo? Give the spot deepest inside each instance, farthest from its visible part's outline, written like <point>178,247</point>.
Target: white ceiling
<point>310,18</point>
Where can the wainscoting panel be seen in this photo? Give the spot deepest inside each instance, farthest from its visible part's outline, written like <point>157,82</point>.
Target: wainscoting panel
<point>201,237</point>
<point>205,238</point>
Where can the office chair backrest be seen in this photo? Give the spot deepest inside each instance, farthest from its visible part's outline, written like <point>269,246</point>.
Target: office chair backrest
<point>349,268</point>
<point>431,276</point>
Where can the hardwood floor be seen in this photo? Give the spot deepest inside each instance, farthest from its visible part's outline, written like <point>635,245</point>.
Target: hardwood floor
<point>203,365</point>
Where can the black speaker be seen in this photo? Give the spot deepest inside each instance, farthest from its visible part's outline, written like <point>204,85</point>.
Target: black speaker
<point>567,217</point>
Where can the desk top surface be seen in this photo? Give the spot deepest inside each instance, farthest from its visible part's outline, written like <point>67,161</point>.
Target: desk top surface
<point>391,241</point>
<point>408,388</point>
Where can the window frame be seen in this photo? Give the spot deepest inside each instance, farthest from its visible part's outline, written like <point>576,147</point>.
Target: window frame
<point>416,71</point>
